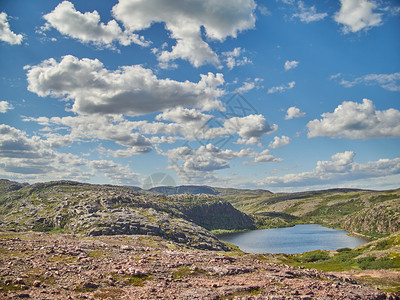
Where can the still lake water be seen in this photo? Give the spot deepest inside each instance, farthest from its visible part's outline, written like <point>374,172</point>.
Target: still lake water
<point>290,240</point>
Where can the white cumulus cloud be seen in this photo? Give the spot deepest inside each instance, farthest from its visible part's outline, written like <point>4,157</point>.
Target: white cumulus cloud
<point>6,34</point>
<point>209,158</point>
<point>294,112</point>
<point>185,19</point>
<point>290,65</point>
<point>236,58</point>
<point>183,115</point>
<point>31,158</point>
<point>4,106</point>
<point>86,27</point>
<point>130,90</point>
<point>354,120</point>
<point>356,15</point>
<point>250,85</point>
<point>92,127</point>
<point>279,142</point>
<point>250,128</point>
<point>341,168</point>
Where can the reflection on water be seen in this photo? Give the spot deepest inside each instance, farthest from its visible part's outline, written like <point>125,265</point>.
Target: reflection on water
<point>290,240</point>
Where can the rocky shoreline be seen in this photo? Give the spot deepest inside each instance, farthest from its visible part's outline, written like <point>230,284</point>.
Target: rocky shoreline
<point>60,266</point>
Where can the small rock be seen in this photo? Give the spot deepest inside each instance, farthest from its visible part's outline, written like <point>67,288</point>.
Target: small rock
<point>19,281</point>
<point>90,285</point>
<point>36,283</point>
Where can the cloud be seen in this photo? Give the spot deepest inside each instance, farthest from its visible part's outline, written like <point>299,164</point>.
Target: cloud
<point>86,27</point>
<point>4,106</point>
<point>117,173</point>
<point>183,115</point>
<point>341,168</point>
<point>209,158</point>
<point>250,85</point>
<point>195,126</point>
<point>354,120</point>
<point>281,88</point>
<point>308,14</point>
<point>392,10</point>
<point>279,142</point>
<point>263,10</point>
<point>185,20</point>
<point>235,58</point>
<point>265,156</point>
<point>31,158</point>
<point>250,128</point>
<point>294,112</point>
<point>88,128</point>
<point>356,15</point>
<point>130,90</point>
<point>390,82</point>
<point>291,65</point>
<point>6,35</point>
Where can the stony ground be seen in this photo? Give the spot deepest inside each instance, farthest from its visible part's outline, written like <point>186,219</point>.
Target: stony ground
<point>57,266</point>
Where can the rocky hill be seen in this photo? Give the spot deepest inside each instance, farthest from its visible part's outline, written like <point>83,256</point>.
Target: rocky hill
<point>72,207</point>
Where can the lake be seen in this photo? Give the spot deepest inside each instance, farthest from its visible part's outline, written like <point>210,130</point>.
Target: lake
<point>290,240</point>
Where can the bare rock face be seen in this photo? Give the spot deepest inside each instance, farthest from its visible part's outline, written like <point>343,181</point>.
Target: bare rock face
<point>383,218</point>
<point>60,266</point>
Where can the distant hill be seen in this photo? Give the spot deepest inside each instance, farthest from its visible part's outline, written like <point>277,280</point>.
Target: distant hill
<point>203,189</point>
<point>9,186</point>
<point>184,189</point>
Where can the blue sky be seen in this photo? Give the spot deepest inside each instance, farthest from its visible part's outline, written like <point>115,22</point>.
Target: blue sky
<point>284,95</point>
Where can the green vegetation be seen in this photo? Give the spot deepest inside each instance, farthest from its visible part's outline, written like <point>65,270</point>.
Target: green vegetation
<point>376,255</point>
<point>252,291</point>
<point>370,213</point>
<point>312,256</point>
<point>184,271</point>
<point>372,263</point>
<point>137,280</point>
<point>109,293</point>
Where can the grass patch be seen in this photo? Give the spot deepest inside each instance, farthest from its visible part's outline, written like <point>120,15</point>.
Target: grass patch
<point>97,253</point>
<point>372,263</point>
<point>251,291</point>
<point>383,245</point>
<point>329,265</point>
<point>233,247</point>
<point>312,256</point>
<point>109,293</point>
<point>388,285</point>
<point>57,230</point>
<point>226,231</point>
<point>11,287</point>
<point>137,280</point>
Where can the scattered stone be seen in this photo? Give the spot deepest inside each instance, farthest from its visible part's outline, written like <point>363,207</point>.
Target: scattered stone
<point>90,285</point>
<point>155,268</point>
<point>19,281</point>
